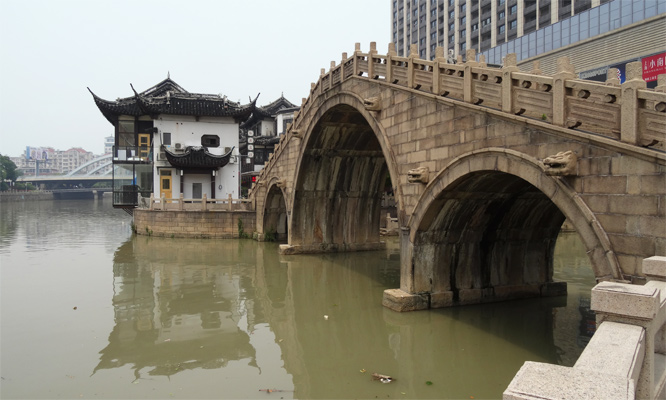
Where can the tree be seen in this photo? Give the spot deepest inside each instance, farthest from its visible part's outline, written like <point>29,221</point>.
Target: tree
<point>8,172</point>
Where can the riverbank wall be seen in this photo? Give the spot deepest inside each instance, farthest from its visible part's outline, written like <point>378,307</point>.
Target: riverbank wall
<point>15,197</point>
<point>195,224</point>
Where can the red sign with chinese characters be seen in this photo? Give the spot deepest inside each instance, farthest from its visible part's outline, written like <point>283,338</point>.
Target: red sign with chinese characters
<point>654,66</point>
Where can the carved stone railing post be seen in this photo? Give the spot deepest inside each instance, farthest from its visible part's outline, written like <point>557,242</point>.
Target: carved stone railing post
<point>204,202</point>
<point>661,84</point>
<point>342,67</point>
<point>439,59</point>
<point>389,63</point>
<point>510,66</point>
<point>152,201</point>
<point>371,61</point>
<point>357,52</point>
<point>565,71</point>
<point>163,205</point>
<point>467,77</point>
<point>611,77</point>
<point>413,53</point>
<point>231,202</point>
<point>482,61</point>
<point>624,358</point>
<point>629,117</point>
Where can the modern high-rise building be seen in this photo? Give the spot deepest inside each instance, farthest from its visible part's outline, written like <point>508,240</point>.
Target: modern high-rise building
<point>533,28</point>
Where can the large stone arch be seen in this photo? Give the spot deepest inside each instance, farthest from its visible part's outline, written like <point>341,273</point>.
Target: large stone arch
<point>484,230</point>
<point>340,174</point>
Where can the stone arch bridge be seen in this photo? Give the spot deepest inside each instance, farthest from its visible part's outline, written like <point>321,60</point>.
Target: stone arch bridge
<point>485,165</point>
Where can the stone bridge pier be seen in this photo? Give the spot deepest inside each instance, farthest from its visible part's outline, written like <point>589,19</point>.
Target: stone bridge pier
<point>485,165</point>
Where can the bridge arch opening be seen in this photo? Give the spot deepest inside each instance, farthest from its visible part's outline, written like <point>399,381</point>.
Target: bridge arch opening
<point>488,232</point>
<point>275,220</point>
<point>485,230</point>
<point>338,191</point>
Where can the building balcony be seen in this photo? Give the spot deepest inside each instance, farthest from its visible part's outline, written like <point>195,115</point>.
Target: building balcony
<point>132,154</point>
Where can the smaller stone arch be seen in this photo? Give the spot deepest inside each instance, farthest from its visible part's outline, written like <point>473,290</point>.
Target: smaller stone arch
<point>484,230</point>
<point>274,214</point>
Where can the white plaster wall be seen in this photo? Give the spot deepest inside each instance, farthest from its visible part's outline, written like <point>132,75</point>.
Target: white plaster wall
<point>188,131</point>
<point>267,128</point>
<point>190,179</point>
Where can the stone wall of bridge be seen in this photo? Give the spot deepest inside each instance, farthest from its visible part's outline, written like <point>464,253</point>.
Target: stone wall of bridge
<point>485,165</point>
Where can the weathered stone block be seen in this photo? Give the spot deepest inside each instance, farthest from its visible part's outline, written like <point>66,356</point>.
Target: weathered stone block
<point>470,296</point>
<point>441,299</point>
<point>653,184</point>
<point>655,267</point>
<point>625,300</point>
<point>633,205</point>
<point>552,289</point>
<point>615,349</point>
<point>636,245</point>
<point>399,300</point>
<point>506,292</point>
<point>605,184</point>
<point>545,382</point>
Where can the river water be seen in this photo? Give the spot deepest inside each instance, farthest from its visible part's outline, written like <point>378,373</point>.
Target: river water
<point>89,310</point>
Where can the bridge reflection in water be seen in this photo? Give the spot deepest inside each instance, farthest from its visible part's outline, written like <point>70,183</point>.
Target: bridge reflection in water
<point>237,306</point>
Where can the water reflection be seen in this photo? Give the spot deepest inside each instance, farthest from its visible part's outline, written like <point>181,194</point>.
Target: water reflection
<point>184,305</point>
<point>162,318</point>
<point>177,308</point>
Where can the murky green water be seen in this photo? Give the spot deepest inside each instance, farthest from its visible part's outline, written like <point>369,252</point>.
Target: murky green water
<point>90,311</point>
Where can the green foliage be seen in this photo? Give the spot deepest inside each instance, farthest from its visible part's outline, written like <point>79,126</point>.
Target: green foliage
<point>102,185</point>
<point>8,172</point>
<point>241,231</point>
<point>24,186</point>
<point>149,231</point>
<point>270,235</point>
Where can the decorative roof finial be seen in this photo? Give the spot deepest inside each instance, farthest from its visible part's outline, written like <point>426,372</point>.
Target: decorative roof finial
<point>168,75</point>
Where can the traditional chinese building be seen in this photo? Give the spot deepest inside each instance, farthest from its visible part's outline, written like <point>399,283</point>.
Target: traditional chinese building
<point>259,135</point>
<point>169,142</point>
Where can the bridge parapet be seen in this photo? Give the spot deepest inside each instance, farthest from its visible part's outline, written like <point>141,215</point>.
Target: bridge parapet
<point>626,357</point>
<point>627,112</point>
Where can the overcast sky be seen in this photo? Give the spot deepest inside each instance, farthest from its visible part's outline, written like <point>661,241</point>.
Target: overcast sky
<point>51,50</point>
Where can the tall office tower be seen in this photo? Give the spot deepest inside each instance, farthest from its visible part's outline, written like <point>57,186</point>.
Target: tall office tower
<point>598,33</point>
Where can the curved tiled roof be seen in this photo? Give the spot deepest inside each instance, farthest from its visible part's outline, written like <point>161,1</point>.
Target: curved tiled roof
<point>167,97</point>
<point>268,110</point>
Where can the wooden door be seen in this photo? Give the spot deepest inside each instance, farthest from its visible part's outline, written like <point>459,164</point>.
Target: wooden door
<point>165,183</point>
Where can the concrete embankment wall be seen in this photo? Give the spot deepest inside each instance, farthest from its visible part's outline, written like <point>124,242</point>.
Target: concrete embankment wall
<point>15,197</point>
<point>193,224</point>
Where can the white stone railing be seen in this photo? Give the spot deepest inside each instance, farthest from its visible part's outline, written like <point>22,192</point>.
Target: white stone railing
<point>626,357</point>
<point>203,204</point>
<point>626,112</point>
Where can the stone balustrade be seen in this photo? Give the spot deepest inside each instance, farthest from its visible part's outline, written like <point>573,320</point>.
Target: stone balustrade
<point>626,357</point>
<point>203,204</point>
<point>626,112</point>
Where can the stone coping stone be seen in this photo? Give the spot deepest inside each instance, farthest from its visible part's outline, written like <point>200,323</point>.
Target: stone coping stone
<point>546,381</point>
<point>615,349</point>
<point>625,299</point>
<point>655,266</point>
<point>399,300</point>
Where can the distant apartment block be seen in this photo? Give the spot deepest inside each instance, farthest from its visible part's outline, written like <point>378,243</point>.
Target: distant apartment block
<point>48,161</point>
<point>595,33</point>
